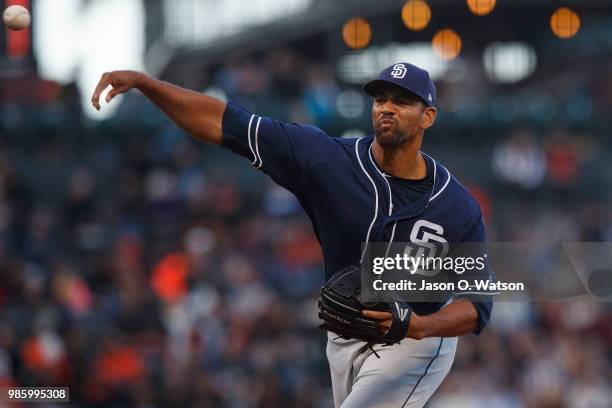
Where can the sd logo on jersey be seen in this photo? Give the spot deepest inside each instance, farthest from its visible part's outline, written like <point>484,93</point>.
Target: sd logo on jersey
<point>428,243</point>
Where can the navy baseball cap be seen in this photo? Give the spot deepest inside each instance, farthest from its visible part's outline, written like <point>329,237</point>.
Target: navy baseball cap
<point>407,76</point>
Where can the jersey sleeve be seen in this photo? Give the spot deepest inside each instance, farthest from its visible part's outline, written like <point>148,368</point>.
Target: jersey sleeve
<point>281,150</point>
<point>474,245</point>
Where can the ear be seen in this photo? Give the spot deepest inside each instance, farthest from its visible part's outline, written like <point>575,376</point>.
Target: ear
<point>429,117</point>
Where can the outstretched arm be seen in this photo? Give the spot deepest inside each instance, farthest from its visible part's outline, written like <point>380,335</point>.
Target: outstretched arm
<point>456,319</point>
<point>195,113</point>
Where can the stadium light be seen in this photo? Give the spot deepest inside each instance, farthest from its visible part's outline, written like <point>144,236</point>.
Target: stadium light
<point>81,39</point>
<point>357,33</point>
<point>192,23</point>
<point>360,66</point>
<point>564,23</point>
<point>416,14</point>
<point>481,7</point>
<point>509,62</point>
<point>446,44</point>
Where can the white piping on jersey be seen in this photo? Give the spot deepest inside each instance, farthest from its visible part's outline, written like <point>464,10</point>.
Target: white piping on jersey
<point>384,178</point>
<point>255,151</point>
<point>391,239</point>
<point>434,177</point>
<point>434,180</point>
<point>249,139</point>
<point>390,198</point>
<point>435,173</point>
<point>444,186</point>
<point>376,196</point>
<point>258,166</point>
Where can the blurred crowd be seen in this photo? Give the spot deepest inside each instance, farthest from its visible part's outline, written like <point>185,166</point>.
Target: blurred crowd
<point>142,268</point>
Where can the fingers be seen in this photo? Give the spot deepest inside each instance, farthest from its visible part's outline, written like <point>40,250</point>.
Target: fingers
<point>111,94</point>
<point>377,315</point>
<point>104,82</point>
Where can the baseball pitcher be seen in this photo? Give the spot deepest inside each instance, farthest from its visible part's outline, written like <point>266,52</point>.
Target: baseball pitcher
<point>381,188</point>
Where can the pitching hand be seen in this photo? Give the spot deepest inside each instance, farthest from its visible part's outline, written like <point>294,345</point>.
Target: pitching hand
<point>121,81</point>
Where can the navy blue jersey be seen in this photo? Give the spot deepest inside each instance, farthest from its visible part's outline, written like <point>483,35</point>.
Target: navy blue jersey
<point>347,197</point>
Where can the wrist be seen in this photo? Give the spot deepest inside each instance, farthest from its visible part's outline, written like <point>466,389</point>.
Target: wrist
<point>419,327</point>
<point>140,80</point>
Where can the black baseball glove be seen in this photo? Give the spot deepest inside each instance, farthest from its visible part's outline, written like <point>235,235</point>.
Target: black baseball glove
<point>340,308</point>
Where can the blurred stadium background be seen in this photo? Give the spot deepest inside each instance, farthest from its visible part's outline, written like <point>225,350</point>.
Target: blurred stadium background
<point>142,268</point>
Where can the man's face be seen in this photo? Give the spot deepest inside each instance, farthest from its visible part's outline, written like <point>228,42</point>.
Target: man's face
<point>398,115</point>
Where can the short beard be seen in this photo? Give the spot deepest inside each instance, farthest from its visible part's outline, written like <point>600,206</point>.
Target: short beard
<point>391,141</point>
